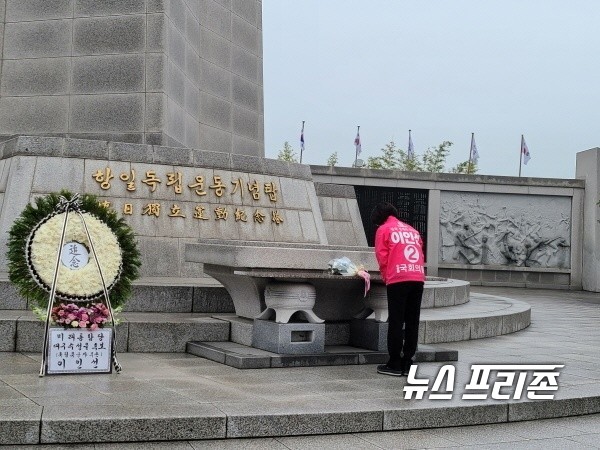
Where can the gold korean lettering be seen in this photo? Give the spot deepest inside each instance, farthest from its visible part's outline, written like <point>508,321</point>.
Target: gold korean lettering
<point>271,191</point>
<point>199,213</point>
<point>240,215</point>
<point>151,209</point>
<point>129,179</point>
<point>276,218</point>
<point>128,209</point>
<point>176,211</point>
<point>198,184</point>
<point>104,204</point>
<point>259,217</point>
<point>218,186</point>
<point>237,186</point>
<point>174,179</point>
<point>254,189</point>
<point>151,180</point>
<point>220,213</point>
<point>103,177</point>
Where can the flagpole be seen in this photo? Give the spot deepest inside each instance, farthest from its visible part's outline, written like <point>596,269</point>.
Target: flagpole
<point>470,154</point>
<point>521,155</point>
<point>409,141</point>
<point>357,134</point>
<point>302,143</point>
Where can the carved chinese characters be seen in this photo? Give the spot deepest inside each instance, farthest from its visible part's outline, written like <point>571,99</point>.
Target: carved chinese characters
<point>211,188</point>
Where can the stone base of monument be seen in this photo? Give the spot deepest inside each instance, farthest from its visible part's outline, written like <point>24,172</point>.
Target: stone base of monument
<point>369,333</point>
<point>245,357</point>
<point>289,338</point>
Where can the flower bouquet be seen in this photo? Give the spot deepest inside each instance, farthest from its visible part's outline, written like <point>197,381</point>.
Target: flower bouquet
<point>92,316</point>
<point>343,266</point>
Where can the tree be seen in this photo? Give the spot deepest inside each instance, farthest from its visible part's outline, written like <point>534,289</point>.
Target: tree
<point>464,167</point>
<point>392,158</point>
<point>287,153</point>
<point>333,159</point>
<point>434,158</point>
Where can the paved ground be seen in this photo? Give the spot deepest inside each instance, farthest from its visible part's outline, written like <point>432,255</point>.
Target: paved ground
<point>565,330</point>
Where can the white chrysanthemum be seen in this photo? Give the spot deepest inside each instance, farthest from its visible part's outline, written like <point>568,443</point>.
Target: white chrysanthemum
<point>83,282</point>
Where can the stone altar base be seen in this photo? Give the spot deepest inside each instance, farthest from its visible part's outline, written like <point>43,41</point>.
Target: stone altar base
<point>368,333</point>
<point>244,357</point>
<point>289,338</point>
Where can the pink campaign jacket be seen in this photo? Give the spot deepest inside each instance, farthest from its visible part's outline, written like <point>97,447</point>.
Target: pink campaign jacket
<point>399,252</point>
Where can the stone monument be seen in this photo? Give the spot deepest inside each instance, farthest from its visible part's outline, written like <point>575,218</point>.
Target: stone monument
<point>179,73</point>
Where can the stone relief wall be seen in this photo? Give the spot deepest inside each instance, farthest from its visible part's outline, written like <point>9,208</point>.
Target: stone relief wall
<point>504,229</point>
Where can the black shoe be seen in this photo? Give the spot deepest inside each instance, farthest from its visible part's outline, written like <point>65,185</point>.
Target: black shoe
<point>385,370</point>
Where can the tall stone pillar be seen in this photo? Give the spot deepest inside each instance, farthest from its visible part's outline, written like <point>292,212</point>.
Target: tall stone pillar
<point>588,168</point>
<point>182,73</point>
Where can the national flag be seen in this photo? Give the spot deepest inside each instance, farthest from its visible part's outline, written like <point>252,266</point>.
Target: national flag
<point>474,152</point>
<point>525,151</point>
<point>357,143</point>
<point>411,147</point>
<point>302,138</point>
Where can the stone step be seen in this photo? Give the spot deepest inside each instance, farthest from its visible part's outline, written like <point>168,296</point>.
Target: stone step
<point>170,397</point>
<point>483,316</point>
<point>21,331</point>
<point>244,357</point>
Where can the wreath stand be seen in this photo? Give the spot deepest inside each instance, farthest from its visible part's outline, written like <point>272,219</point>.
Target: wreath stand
<point>74,206</point>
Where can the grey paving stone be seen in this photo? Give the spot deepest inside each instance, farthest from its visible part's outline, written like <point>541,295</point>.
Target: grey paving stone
<point>20,424</point>
<point>10,298</point>
<point>105,35</point>
<point>331,359</point>
<point>407,439</point>
<point>107,113</point>
<point>279,420</point>
<point>126,424</point>
<point>206,350</point>
<point>109,7</point>
<point>240,444</point>
<point>160,299</point>
<point>8,331</point>
<point>38,39</point>
<point>444,416</point>
<point>447,330</point>
<point>369,334</point>
<point>84,148</point>
<point>41,76</point>
<point>546,409</point>
<point>28,10</point>
<point>31,115</point>
<point>108,74</point>
<point>172,337</point>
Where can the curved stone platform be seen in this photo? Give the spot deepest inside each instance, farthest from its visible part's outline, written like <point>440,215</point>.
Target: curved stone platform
<point>483,316</point>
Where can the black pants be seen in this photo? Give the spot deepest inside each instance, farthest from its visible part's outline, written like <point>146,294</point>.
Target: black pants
<point>404,307</point>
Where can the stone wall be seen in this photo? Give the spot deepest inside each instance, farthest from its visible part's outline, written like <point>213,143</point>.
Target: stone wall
<point>169,196</point>
<point>525,232</point>
<point>167,72</point>
<point>341,216</point>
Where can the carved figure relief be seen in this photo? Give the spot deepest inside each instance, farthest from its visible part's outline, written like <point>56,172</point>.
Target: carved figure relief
<point>504,229</point>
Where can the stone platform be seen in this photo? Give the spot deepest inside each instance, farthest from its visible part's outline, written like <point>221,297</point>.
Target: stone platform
<point>244,357</point>
<point>176,396</point>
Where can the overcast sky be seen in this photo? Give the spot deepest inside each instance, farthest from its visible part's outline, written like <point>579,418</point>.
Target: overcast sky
<point>443,68</point>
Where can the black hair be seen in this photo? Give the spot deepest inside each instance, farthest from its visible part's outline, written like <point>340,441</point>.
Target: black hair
<point>382,211</point>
